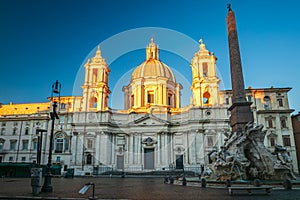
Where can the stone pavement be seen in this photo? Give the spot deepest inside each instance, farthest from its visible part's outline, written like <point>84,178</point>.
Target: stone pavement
<point>131,188</point>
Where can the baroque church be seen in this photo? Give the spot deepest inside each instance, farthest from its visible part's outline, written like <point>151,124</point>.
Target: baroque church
<point>153,132</point>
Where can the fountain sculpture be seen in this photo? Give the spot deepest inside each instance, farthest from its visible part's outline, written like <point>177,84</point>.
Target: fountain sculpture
<point>244,155</point>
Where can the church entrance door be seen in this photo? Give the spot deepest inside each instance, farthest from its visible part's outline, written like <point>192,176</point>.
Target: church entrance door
<point>148,158</point>
<point>120,162</point>
<point>179,161</point>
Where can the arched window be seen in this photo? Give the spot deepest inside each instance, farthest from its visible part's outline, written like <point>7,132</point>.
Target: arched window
<point>206,98</point>
<point>93,102</point>
<point>170,102</point>
<point>270,123</point>
<point>61,142</point>
<point>267,101</point>
<point>205,69</point>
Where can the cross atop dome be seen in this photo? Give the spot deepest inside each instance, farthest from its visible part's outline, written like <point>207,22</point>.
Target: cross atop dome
<point>98,52</point>
<point>152,40</point>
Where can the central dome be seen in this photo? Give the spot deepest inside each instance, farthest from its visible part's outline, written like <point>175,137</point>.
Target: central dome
<point>153,67</point>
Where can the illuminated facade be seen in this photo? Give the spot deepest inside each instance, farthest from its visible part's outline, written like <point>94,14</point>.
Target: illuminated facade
<point>153,132</point>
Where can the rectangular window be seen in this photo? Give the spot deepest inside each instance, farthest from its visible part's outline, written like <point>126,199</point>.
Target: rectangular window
<point>286,141</point>
<point>25,145</point>
<point>35,145</point>
<point>210,141</point>
<point>272,142</point>
<point>62,119</point>
<point>150,97</point>
<point>66,140</point>
<point>15,131</point>
<point>90,144</point>
<point>69,119</point>
<point>59,145</point>
<point>27,131</point>
<point>63,106</point>
<point>283,122</point>
<point>249,98</point>
<point>2,131</point>
<point>13,144</point>
<point>132,100</point>
<point>15,123</point>
<point>120,141</point>
<point>23,159</point>
<point>27,123</point>
<point>227,100</point>
<point>11,158</point>
<point>3,123</point>
<point>280,102</point>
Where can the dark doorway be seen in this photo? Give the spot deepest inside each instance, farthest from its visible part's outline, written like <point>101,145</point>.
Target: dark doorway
<point>89,159</point>
<point>179,161</point>
<point>148,158</point>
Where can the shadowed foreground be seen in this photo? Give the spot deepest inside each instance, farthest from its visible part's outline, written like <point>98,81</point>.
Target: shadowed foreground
<point>131,188</point>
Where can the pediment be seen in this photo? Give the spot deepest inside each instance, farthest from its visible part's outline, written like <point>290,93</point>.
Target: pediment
<point>149,119</point>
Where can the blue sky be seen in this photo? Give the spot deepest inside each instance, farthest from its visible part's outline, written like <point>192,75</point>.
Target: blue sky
<point>41,41</point>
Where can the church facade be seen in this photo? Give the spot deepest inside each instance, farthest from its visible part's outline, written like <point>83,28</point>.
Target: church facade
<point>153,132</point>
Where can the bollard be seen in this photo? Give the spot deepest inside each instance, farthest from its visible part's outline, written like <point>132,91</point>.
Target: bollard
<point>184,181</point>
<point>36,180</point>
<point>203,182</point>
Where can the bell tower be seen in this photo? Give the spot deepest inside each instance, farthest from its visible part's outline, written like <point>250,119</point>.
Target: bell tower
<point>205,84</point>
<point>95,88</point>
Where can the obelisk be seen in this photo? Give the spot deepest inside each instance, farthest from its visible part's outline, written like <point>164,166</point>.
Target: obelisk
<point>240,109</point>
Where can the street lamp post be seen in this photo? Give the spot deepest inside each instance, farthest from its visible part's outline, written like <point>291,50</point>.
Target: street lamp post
<point>47,187</point>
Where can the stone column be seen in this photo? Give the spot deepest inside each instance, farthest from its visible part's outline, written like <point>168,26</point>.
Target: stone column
<point>80,146</point>
<point>191,147</point>
<point>163,149</point>
<point>202,147</point>
<point>102,148</point>
<point>187,147</point>
<point>173,158</point>
<point>166,149</point>
<point>97,149</point>
<point>158,149</point>
<point>113,147</point>
<point>139,150</point>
